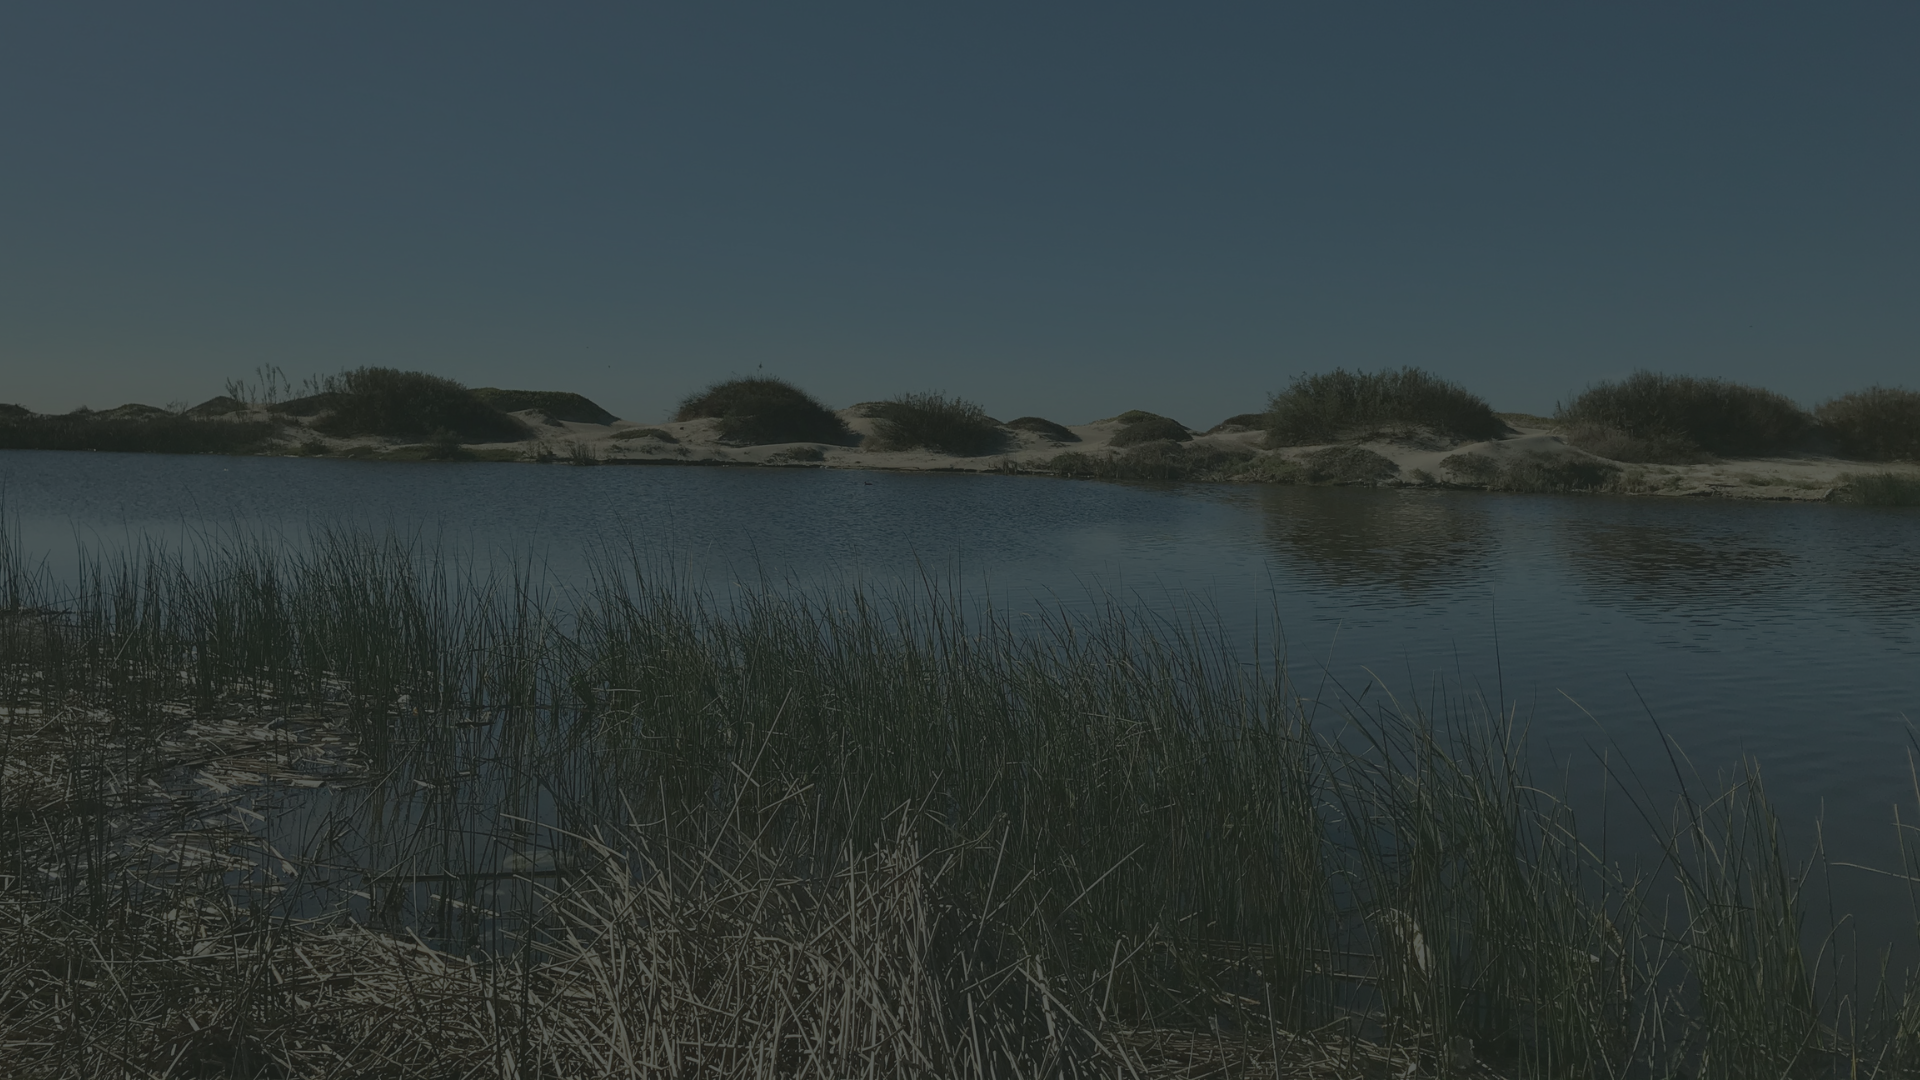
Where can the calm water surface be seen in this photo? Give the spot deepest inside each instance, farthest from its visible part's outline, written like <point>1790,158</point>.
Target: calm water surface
<point>1788,633</point>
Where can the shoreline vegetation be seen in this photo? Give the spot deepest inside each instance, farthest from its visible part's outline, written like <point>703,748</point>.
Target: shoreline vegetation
<point>1648,434</point>
<point>353,809</point>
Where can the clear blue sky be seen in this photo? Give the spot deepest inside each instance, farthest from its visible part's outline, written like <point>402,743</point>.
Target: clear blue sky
<point>1068,210</point>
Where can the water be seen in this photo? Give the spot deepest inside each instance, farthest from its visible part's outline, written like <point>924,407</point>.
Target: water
<point>1787,633</point>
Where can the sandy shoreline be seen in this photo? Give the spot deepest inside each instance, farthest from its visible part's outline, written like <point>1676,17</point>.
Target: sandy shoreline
<point>1418,460</point>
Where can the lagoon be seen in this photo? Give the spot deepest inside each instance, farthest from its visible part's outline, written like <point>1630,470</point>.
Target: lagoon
<point>1788,633</point>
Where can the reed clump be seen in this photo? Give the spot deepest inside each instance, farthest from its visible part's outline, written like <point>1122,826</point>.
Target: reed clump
<point>353,808</point>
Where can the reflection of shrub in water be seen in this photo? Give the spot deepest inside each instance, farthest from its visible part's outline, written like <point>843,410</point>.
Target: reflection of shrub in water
<point>1410,540</point>
<point>1879,489</point>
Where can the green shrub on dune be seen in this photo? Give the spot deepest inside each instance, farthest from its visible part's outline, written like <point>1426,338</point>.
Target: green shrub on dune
<point>1674,418</point>
<point>935,422</point>
<point>1138,427</point>
<point>1876,424</point>
<point>1338,405</point>
<point>560,405</point>
<point>1043,427</point>
<point>411,404</point>
<point>758,411</point>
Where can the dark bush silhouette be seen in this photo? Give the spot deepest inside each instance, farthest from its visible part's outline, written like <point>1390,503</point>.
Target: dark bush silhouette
<point>1048,428</point>
<point>161,434</point>
<point>758,411</point>
<point>412,404</point>
<point>1339,404</point>
<point>1250,421</point>
<point>310,405</point>
<point>218,406</point>
<point>1138,426</point>
<point>935,422</point>
<point>558,404</point>
<point>1876,424</point>
<point>1672,414</point>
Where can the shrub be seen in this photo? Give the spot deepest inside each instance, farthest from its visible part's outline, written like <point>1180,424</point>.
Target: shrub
<point>1046,428</point>
<point>1876,424</point>
<point>1137,427</point>
<point>411,404</point>
<point>935,422</point>
<point>1670,413</point>
<point>163,434</point>
<point>646,433</point>
<point>1536,472</point>
<point>1347,465</point>
<point>311,405</point>
<point>758,411</point>
<point>1477,469</point>
<point>560,405</point>
<point>1339,404</point>
<point>1250,421</point>
<point>1616,445</point>
<point>218,406</point>
<point>1543,472</point>
<point>1882,489</point>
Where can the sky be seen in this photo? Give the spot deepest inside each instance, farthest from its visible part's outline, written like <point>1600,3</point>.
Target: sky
<point>1067,210</point>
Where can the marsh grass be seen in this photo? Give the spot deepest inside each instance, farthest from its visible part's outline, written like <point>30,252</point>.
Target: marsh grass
<point>354,808</point>
<point>1340,405</point>
<point>758,411</point>
<point>946,425</point>
<point>1674,419</point>
<point>1879,489</point>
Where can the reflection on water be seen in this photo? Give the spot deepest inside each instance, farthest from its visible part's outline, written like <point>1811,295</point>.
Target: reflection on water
<point>1401,541</point>
<point>1670,567</point>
